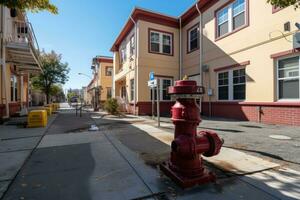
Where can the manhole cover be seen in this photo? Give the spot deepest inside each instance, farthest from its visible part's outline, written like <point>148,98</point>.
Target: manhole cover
<point>280,137</point>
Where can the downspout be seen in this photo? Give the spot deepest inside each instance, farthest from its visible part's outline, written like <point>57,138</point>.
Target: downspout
<point>180,50</point>
<point>135,63</point>
<point>200,53</point>
<point>3,62</point>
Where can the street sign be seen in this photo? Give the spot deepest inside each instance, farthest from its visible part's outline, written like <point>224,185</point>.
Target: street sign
<point>151,76</point>
<point>152,83</point>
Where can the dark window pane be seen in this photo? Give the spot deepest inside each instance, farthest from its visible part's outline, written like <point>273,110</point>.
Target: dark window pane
<point>166,85</point>
<point>132,89</point>
<point>223,93</point>
<point>155,93</point>
<point>167,49</point>
<point>238,20</point>
<point>193,44</point>
<point>223,29</point>
<point>239,92</point>
<point>289,63</point>
<point>154,47</point>
<point>289,89</point>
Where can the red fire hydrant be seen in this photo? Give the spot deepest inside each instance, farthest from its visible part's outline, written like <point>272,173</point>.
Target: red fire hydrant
<point>185,166</point>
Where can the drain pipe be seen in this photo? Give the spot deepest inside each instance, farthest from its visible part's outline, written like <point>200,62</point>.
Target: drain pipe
<point>200,53</point>
<point>180,50</point>
<point>135,62</point>
<point>3,63</point>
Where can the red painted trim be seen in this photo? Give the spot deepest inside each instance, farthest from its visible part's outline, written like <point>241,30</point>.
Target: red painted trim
<point>139,14</point>
<point>192,12</point>
<point>149,42</point>
<point>188,39</point>
<point>236,30</point>
<point>275,104</point>
<point>285,53</point>
<point>105,60</point>
<point>232,66</point>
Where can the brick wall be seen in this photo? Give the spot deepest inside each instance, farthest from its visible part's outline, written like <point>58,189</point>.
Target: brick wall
<point>269,113</point>
<point>145,108</point>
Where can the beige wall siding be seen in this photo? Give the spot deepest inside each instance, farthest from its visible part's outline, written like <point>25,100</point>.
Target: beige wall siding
<point>163,65</point>
<point>105,81</point>
<point>254,43</point>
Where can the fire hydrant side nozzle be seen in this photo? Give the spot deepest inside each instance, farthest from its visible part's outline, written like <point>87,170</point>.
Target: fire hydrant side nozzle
<point>185,165</point>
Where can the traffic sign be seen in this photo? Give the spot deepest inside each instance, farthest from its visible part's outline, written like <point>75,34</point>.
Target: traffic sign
<point>152,83</point>
<point>151,76</point>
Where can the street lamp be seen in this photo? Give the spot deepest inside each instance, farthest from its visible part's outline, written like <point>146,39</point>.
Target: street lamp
<point>82,74</point>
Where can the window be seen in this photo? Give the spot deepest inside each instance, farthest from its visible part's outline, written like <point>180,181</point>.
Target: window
<point>132,90</point>
<point>164,84</point>
<point>123,54</point>
<point>13,88</point>
<point>231,18</point>
<point>288,78</point>
<point>161,42</point>
<point>123,92</point>
<point>193,39</point>
<point>108,71</point>
<point>132,45</point>
<point>232,85</point>
<point>108,93</point>
<point>223,86</point>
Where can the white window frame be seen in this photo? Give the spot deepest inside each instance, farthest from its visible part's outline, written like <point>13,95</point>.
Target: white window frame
<point>160,82</point>
<point>161,34</point>
<point>230,85</point>
<point>189,38</point>
<point>278,79</point>
<point>14,87</point>
<point>230,18</point>
<point>132,45</point>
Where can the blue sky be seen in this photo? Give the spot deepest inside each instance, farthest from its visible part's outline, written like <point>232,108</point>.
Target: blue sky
<point>86,28</point>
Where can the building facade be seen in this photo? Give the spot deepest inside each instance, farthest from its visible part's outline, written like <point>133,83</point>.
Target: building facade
<point>249,65</point>
<point>19,56</point>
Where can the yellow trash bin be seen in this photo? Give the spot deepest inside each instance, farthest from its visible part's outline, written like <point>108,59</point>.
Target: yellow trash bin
<point>37,118</point>
<point>51,106</point>
<point>49,110</point>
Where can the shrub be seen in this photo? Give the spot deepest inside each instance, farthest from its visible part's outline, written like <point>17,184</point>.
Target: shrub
<point>111,106</point>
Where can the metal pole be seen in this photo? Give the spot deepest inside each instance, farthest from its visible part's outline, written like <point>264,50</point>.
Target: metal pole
<point>153,101</point>
<point>158,102</point>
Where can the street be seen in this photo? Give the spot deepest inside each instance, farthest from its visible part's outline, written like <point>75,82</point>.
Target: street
<point>120,161</point>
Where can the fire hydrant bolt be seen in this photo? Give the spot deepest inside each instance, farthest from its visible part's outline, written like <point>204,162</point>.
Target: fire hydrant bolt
<point>185,165</point>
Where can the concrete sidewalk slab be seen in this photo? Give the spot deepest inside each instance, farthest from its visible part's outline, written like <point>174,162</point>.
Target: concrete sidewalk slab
<point>82,171</point>
<point>229,160</point>
<point>18,144</point>
<point>237,162</point>
<point>70,139</point>
<point>3,187</point>
<point>11,163</point>
<point>282,183</point>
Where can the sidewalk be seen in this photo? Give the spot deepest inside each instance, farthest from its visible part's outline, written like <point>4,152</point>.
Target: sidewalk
<point>16,145</point>
<point>120,162</point>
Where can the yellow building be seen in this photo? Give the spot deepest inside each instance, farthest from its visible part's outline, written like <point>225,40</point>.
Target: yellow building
<point>19,59</point>
<point>247,62</point>
<point>100,88</point>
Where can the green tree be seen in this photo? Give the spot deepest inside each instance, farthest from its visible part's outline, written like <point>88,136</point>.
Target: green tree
<point>54,72</point>
<point>32,5</point>
<point>284,3</point>
<point>70,95</point>
<point>57,92</point>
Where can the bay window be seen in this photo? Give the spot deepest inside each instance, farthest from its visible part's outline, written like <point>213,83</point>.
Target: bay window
<point>232,85</point>
<point>288,78</point>
<point>231,18</point>
<point>161,42</point>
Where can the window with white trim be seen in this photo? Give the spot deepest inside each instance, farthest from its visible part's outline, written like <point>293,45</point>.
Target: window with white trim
<point>164,84</point>
<point>232,17</point>
<point>193,39</point>
<point>108,92</point>
<point>108,71</point>
<point>13,88</point>
<point>132,90</point>
<point>232,85</point>
<point>288,78</point>
<point>123,54</point>
<point>132,45</point>
<point>160,42</point>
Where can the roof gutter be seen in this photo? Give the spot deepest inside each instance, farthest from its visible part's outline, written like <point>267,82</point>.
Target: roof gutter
<point>200,53</point>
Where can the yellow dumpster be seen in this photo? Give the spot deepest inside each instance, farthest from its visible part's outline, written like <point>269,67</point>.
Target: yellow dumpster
<point>51,106</point>
<point>49,110</point>
<point>37,118</point>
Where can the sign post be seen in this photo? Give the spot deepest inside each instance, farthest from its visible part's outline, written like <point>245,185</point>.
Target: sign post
<point>153,83</point>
